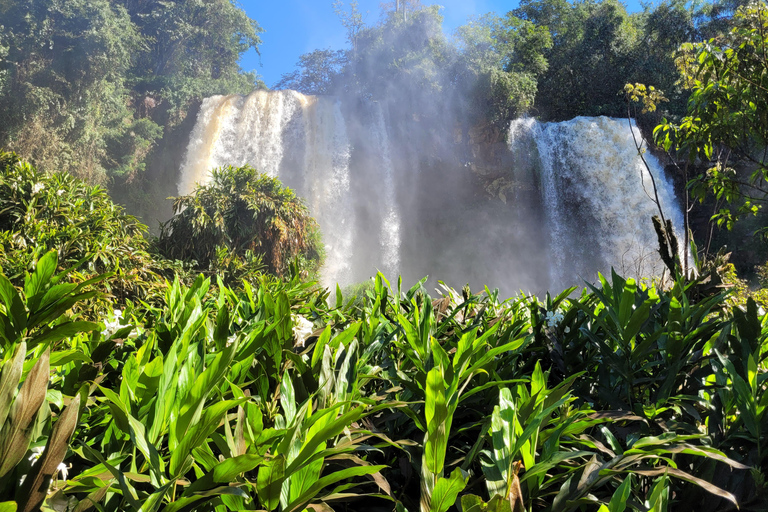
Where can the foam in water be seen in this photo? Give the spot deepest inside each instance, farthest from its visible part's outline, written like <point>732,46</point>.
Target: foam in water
<point>597,195</point>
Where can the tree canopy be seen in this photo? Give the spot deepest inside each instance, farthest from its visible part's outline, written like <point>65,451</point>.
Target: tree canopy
<point>726,123</point>
<point>248,215</point>
<point>88,86</point>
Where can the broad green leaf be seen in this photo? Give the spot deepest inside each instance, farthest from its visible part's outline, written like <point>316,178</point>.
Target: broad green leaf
<point>35,283</point>
<point>288,398</point>
<point>337,476</point>
<point>155,500</point>
<point>224,472</point>
<point>197,434</point>
<point>619,499</point>
<point>15,312</point>
<point>438,422</point>
<point>210,379</point>
<point>64,330</point>
<point>269,481</point>
<point>322,341</point>
<point>446,491</point>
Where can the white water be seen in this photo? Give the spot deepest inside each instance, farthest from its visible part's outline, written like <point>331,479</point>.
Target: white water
<point>261,129</point>
<point>390,221</point>
<point>598,197</point>
<point>580,202</point>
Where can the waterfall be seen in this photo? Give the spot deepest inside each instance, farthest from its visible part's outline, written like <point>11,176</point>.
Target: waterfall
<point>392,192</point>
<point>267,129</point>
<point>598,197</point>
<point>326,183</point>
<point>390,221</point>
<point>237,130</point>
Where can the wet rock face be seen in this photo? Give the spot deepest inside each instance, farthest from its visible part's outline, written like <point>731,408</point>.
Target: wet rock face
<point>536,206</point>
<point>504,175</point>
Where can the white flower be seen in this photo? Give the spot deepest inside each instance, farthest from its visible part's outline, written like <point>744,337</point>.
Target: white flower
<point>111,327</point>
<point>37,451</point>
<point>302,329</point>
<point>553,318</point>
<point>37,187</point>
<point>567,330</point>
<point>64,470</point>
<point>60,192</point>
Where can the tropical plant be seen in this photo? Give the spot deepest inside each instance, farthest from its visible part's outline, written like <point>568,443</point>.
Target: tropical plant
<point>725,121</point>
<point>265,396</point>
<point>90,234</point>
<point>241,210</point>
<point>34,336</point>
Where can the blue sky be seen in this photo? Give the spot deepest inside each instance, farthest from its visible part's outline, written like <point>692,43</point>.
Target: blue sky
<point>295,27</point>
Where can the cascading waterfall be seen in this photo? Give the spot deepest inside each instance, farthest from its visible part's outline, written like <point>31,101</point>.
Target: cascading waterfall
<point>263,129</point>
<point>598,197</point>
<point>326,183</point>
<point>237,130</point>
<point>390,223</point>
<point>390,194</point>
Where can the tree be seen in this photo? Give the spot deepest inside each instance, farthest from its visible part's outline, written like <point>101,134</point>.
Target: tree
<point>190,50</point>
<point>87,86</point>
<point>589,39</point>
<point>353,20</point>
<point>242,213</point>
<point>726,124</point>
<point>91,235</point>
<point>317,72</point>
<point>522,45</point>
<point>64,83</point>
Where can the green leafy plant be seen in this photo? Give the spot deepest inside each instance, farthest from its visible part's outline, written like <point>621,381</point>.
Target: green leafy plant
<point>239,211</point>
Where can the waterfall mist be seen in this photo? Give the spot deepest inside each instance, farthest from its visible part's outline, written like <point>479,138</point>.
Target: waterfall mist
<point>411,170</point>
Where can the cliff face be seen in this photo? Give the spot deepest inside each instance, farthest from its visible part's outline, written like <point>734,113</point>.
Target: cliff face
<point>503,175</point>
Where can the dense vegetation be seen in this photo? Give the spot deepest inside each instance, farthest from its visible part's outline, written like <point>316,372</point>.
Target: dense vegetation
<point>268,396</point>
<point>90,87</point>
<point>128,381</point>
<point>240,222</point>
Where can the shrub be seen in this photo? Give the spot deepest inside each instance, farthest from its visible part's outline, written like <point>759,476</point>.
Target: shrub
<point>242,213</point>
<point>92,235</point>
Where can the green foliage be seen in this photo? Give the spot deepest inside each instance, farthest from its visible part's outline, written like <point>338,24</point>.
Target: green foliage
<point>522,45</point>
<point>34,337</point>
<point>87,85</point>
<point>619,396</point>
<point>500,96</point>
<point>91,235</point>
<point>65,81</point>
<point>190,50</point>
<point>317,72</point>
<point>725,124</point>
<point>257,394</point>
<point>589,39</point>
<point>247,215</point>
